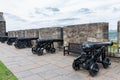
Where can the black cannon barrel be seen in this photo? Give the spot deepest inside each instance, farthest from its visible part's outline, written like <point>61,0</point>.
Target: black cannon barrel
<point>10,40</point>
<point>91,45</point>
<point>45,44</point>
<point>12,37</point>
<point>24,42</point>
<point>92,54</point>
<point>49,40</point>
<point>26,39</point>
<point>3,38</point>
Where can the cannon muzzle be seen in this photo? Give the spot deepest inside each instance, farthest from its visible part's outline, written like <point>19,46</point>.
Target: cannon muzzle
<point>95,45</point>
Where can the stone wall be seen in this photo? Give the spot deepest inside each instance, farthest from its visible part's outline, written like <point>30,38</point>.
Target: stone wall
<point>32,33</point>
<point>2,25</point>
<point>20,33</point>
<point>12,33</point>
<point>73,33</point>
<point>50,33</point>
<point>85,32</point>
<point>42,33</point>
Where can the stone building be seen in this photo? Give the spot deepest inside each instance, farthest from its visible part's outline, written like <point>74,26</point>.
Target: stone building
<point>2,25</point>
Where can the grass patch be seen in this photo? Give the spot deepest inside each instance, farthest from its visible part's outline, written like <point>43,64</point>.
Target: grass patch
<point>6,74</point>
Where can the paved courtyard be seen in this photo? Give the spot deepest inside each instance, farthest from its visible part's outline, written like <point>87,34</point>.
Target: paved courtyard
<point>28,66</point>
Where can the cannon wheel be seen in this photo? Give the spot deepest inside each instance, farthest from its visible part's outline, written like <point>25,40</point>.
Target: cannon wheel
<point>93,69</point>
<point>87,64</point>
<point>34,50</point>
<point>76,65</point>
<point>106,63</point>
<point>20,45</point>
<point>52,50</point>
<point>16,46</point>
<point>40,52</point>
<point>8,43</point>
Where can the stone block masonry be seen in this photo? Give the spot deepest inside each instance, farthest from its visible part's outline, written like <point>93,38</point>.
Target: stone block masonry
<point>73,33</point>
<point>2,25</point>
<point>20,33</point>
<point>85,32</point>
<point>51,33</point>
<point>32,33</point>
<point>42,33</point>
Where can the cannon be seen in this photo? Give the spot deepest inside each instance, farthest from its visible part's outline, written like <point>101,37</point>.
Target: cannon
<point>45,44</point>
<point>92,54</point>
<point>3,39</point>
<point>24,42</point>
<point>10,40</point>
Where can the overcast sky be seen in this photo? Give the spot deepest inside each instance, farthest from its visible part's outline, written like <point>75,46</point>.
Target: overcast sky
<point>27,14</point>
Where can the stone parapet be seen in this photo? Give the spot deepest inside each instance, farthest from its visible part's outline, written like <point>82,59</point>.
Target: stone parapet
<point>93,32</point>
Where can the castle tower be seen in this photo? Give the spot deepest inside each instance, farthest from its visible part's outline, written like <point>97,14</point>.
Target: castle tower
<point>2,25</point>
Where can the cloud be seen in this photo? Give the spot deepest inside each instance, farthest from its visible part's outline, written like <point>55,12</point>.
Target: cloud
<point>67,19</point>
<point>85,11</point>
<point>14,17</point>
<point>40,12</point>
<point>23,14</point>
<point>53,9</point>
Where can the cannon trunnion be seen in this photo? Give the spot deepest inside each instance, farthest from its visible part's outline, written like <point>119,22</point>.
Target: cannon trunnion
<point>93,53</point>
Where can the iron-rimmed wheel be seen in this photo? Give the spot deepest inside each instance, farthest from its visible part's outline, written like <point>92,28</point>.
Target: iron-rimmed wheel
<point>52,50</point>
<point>48,49</point>
<point>8,43</point>
<point>19,45</point>
<point>34,50</point>
<point>106,63</point>
<point>15,46</point>
<point>76,65</point>
<point>93,69</point>
<point>24,44</point>
<point>40,52</point>
<point>88,63</point>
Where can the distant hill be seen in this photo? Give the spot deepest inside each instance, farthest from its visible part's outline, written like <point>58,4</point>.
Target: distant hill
<point>113,35</point>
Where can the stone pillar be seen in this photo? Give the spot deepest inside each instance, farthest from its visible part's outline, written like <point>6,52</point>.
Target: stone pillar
<point>2,25</point>
<point>118,31</point>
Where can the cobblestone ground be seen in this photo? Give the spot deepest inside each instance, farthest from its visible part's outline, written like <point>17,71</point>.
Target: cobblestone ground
<point>28,66</point>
